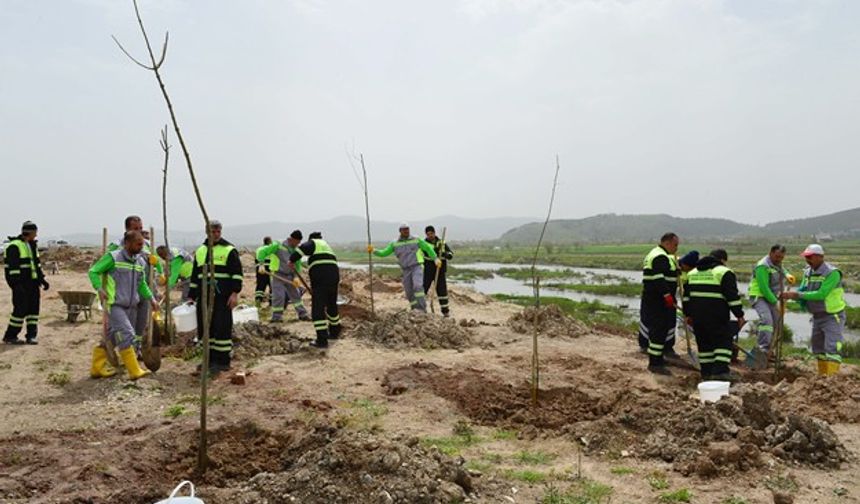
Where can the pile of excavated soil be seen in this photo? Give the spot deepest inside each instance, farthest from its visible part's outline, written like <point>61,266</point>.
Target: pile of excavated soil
<point>831,398</point>
<point>362,467</point>
<point>413,330</point>
<point>609,413</point>
<point>69,258</point>
<point>549,320</point>
<point>255,339</point>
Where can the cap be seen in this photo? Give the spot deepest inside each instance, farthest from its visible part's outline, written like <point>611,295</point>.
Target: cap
<point>214,224</point>
<point>29,226</point>
<point>296,235</point>
<point>690,258</point>
<point>813,249</point>
<point>429,228</point>
<point>404,225</point>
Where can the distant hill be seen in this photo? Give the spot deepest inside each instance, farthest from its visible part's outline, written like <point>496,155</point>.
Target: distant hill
<point>339,230</point>
<point>607,228</point>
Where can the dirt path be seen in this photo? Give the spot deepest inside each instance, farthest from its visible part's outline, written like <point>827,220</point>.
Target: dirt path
<point>374,420</point>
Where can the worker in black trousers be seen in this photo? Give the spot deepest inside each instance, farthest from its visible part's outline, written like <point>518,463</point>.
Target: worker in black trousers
<point>24,276</point>
<point>430,268</point>
<point>325,277</point>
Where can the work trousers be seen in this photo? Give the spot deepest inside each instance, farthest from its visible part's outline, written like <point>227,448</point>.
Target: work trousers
<point>413,287</point>
<point>263,283</point>
<point>441,285</point>
<point>284,293</point>
<point>122,320</point>
<point>220,331</point>
<point>324,281</point>
<point>714,341</point>
<point>25,311</point>
<point>141,322</point>
<point>827,336</point>
<point>768,315</point>
<point>656,330</point>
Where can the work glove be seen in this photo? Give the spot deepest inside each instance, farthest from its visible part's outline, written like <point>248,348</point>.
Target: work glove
<point>162,280</point>
<point>45,285</point>
<point>438,262</point>
<point>369,249</point>
<point>668,301</point>
<point>153,259</point>
<point>791,279</point>
<point>297,283</point>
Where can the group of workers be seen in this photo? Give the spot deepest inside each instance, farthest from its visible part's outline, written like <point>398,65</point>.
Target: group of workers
<point>708,292</point>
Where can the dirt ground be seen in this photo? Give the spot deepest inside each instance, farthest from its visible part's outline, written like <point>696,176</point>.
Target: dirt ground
<point>445,416</point>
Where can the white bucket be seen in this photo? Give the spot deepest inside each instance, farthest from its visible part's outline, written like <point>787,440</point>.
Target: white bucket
<point>711,391</point>
<point>185,316</point>
<point>173,499</point>
<point>245,313</point>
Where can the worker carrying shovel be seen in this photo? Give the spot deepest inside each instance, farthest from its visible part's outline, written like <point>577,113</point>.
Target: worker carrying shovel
<point>325,277</point>
<point>284,279</point>
<point>822,292</point>
<point>765,286</point>
<point>410,252</point>
<point>125,289</point>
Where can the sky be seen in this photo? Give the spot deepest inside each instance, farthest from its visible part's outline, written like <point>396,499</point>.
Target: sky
<point>743,109</point>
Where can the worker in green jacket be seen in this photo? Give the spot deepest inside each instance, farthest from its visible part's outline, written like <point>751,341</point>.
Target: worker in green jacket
<point>180,263</point>
<point>768,281</point>
<point>822,293</point>
<point>264,279</point>
<point>285,282</point>
<point>408,250</point>
<point>123,291</point>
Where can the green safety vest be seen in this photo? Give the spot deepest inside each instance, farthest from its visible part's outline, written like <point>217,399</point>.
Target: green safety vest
<point>27,260</point>
<point>708,284</point>
<point>323,254</point>
<point>648,273</point>
<point>835,300</point>
<point>220,253</point>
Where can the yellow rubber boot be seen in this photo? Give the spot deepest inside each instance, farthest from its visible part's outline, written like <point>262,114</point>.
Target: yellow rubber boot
<point>129,358</point>
<point>831,368</point>
<point>822,368</point>
<point>100,367</point>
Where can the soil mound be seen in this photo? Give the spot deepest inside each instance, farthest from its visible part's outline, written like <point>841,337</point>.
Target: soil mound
<point>69,258</point>
<point>364,467</point>
<point>831,398</point>
<point>549,319</point>
<point>609,414</point>
<point>255,339</point>
<point>413,330</point>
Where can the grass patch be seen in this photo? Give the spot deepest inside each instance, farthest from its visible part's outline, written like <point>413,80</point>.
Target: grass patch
<point>622,470</point>
<point>478,465</point>
<point>463,437</point>
<point>175,411</point>
<point>526,475</point>
<point>781,483</point>
<point>584,491</point>
<point>526,274</point>
<point>504,435</point>
<point>467,275</point>
<point>59,378</point>
<point>734,500</point>
<point>657,480</point>
<point>682,495</point>
<point>362,414</point>
<point>533,458</point>
<point>593,313</point>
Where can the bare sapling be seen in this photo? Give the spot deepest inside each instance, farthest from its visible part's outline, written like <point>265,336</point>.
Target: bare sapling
<point>362,182</point>
<point>207,285</point>
<point>536,288</point>
<point>168,314</point>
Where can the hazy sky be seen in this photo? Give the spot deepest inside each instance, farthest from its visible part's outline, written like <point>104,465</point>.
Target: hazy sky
<point>746,109</point>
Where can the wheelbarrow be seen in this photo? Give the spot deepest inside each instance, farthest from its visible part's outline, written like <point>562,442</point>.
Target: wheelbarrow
<point>78,302</point>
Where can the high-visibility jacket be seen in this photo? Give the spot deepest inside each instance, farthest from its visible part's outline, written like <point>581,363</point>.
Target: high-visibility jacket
<point>711,292</point>
<point>227,269</point>
<point>659,274</point>
<point>22,263</point>
<point>181,265</point>
<point>318,252</point>
<point>264,262</point>
<point>822,290</point>
<point>765,281</point>
<point>408,251</point>
<point>276,256</point>
<point>126,278</point>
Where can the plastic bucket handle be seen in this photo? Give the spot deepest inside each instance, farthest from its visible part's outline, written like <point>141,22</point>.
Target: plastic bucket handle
<point>179,486</point>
